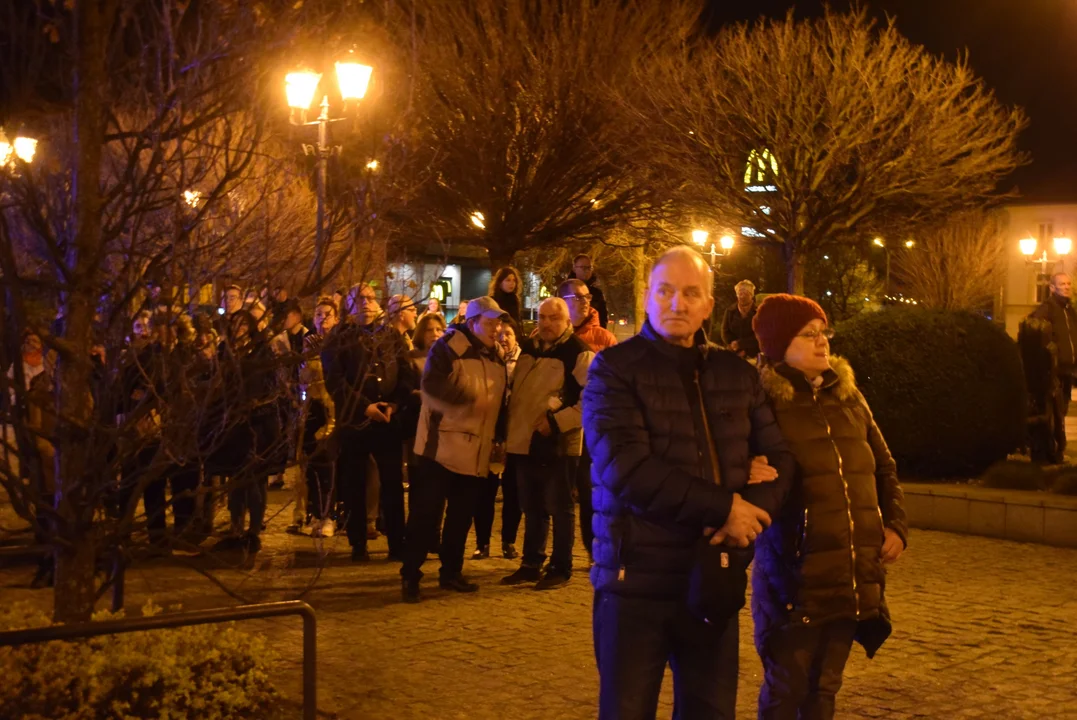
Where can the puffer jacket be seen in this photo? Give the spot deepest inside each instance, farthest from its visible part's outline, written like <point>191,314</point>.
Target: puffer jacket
<point>593,334</point>
<point>821,559</point>
<point>654,488</point>
<point>462,390</point>
<point>550,381</point>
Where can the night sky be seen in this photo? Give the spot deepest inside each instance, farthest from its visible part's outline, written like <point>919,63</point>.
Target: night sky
<point>1026,50</point>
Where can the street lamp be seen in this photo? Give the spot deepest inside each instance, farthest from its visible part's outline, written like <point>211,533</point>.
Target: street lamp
<point>713,250</point>
<point>300,89</point>
<point>879,242</point>
<point>22,148</point>
<point>1063,246</point>
<point>478,220</point>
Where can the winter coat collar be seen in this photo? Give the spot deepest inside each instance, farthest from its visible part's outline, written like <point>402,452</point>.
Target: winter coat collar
<point>664,347</point>
<point>783,382</point>
<point>494,353</point>
<point>590,321</point>
<point>538,347</point>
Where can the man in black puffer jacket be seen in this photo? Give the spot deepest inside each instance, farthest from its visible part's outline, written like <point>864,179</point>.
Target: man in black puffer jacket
<point>672,423</point>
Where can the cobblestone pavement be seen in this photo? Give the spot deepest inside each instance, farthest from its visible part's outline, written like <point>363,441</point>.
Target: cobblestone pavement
<point>983,629</point>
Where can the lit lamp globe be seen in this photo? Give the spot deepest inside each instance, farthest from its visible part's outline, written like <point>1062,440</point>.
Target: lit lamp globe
<point>699,237</point>
<point>353,78</point>
<point>726,242</point>
<point>299,88</point>
<point>1063,245</point>
<point>1027,245</point>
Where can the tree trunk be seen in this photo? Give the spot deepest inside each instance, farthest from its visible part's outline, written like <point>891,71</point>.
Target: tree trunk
<point>639,287</point>
<point>74,593</point>
<point>74,588</point>
<point>794,272</point>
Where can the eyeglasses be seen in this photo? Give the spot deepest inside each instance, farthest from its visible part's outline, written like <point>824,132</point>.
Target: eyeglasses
<point>585,298</point>
<point>814,335</point>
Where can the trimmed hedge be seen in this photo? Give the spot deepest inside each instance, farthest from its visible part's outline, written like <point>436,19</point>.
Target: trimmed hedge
<point>946,388</point>
<point>208,672</point>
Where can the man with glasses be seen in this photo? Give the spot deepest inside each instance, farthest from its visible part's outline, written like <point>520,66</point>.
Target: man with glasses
<point>583,268</point>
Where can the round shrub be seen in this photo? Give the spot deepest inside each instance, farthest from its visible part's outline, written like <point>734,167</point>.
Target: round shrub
<point>946,387</point>
<point>205,671</point>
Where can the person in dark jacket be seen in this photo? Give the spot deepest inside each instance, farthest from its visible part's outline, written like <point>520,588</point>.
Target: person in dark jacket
<point>583,268</point>
<point>506,289</point>
<point>370,377</point>
<point>1059,311</point>
<point>672,422</point>
<point>737,331</point>
<point>819,573</point>
<point>1039,360</point>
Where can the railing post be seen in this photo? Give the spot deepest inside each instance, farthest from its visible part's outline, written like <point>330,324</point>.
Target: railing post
<point>310,664</point>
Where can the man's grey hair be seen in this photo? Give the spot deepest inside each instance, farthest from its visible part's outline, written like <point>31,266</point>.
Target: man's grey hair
<point>687,254</point>
<point>744,284</point>
<point>397,303</point>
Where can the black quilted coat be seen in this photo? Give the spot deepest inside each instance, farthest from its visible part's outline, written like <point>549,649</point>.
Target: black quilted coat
<point>653,488</point>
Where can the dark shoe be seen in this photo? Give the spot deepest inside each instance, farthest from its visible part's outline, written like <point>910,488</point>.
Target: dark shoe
<point>43,578</point>
<point>229,544</point>
<point>394,557</point>
<point>254,544</point>
<point>482,553</point>
<point>508,551</point>
<point>458,584</point>
<point>360,555</point>
<point>526,574</point>
<point>276,484</point>
<point>294,529</point>
<point>552,579</point>
<point>409,590</point>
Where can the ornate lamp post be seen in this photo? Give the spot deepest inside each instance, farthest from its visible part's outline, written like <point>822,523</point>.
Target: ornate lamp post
<point>300,87</point>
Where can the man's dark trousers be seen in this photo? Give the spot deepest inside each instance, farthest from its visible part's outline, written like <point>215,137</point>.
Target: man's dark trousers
<point>545,493</point>
<point>583,492</point>
<point>635,638</point>
<point>803,669</point>
<point>431,486</point>
<point>1062,408</point>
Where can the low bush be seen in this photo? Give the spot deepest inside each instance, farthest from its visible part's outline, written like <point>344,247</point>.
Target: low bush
<point>1016,475</point>
<point>946,387</point>
<point>206,671</point>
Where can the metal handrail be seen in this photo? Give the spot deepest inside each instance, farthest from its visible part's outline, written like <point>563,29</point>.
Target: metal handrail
<point>15,638</point>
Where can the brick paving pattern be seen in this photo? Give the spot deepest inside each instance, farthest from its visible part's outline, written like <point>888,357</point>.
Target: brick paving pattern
<point>983,629</point>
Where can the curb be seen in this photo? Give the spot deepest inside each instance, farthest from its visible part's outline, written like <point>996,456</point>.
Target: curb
<point>1021,515</point>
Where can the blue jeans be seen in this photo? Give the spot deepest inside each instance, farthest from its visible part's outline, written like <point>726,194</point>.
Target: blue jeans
<point>546,492</point>
<point>634,640</point>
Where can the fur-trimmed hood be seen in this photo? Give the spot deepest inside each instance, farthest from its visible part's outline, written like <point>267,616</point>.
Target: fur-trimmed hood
<point>782,382</point>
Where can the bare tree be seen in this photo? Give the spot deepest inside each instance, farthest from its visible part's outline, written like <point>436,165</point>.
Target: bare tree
<point>155,166</point>
<point>523,142</point>
<point>959,266</point>
<point>804,133</point>
<point>843,281</point>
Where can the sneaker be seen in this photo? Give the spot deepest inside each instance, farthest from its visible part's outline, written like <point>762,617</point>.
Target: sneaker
<point>482,553</point>
<point>409,590</point>
<point>359,555</point>
<point>508,551</point>
<point>526,574</point>
<point>551,579</point>
<point>329,528</point>
<point>458,584</point>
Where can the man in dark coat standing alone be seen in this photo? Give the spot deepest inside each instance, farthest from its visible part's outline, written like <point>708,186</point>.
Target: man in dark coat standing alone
<point>1058,310</point>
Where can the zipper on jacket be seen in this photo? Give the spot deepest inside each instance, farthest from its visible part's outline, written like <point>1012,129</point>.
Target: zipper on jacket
<point>848,500</point>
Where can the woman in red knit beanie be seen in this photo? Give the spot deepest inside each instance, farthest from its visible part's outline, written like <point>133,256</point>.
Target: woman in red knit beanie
<point>819,571</point>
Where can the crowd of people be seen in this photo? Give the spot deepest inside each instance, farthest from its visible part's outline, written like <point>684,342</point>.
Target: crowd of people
<point>682,460</point>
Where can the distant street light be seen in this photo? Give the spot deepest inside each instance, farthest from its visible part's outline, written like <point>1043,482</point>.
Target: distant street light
<point>713,250</point>
<point>300,89</point>
<point>22,148</point>
<point>478,220</point>
<point>909,243</point>
<point>1063,246</point>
